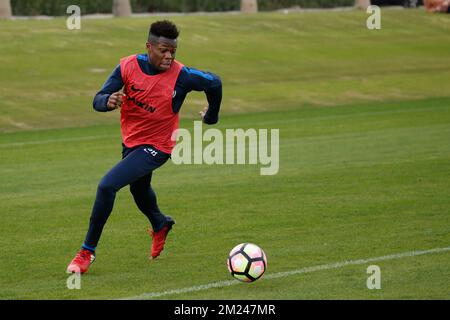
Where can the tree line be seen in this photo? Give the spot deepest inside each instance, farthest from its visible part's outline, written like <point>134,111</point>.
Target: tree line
<point>126,7</point>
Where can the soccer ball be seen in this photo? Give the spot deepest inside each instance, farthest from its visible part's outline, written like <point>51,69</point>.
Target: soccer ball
<point>247,262</point>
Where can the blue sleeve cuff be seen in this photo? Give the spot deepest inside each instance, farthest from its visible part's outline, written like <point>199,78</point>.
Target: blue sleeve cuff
<point>101,102</point>
<point>113,84</point>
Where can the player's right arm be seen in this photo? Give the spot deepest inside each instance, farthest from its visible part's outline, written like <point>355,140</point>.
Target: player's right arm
<point>109,97</point>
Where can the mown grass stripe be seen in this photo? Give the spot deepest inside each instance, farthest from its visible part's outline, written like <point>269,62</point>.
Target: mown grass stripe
<point>283,274</point>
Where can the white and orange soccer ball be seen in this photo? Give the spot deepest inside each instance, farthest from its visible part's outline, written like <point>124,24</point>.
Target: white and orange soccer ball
<point>247,262</point>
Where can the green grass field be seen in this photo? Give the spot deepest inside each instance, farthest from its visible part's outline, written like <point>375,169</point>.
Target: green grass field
<point>364,119</point>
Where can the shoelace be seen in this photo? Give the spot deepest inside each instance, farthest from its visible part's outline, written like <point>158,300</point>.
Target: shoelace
<point>81,257</point>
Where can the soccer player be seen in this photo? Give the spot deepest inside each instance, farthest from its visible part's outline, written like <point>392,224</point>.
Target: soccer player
<point>154,88</point>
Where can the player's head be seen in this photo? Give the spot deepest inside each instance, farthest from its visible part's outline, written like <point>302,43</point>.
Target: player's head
<point>162,44</point>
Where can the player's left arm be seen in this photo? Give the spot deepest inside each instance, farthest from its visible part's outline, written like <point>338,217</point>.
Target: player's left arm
<point>209,83</point>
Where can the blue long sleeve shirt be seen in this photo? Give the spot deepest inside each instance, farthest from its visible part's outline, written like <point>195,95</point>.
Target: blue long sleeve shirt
<point>188,80</point>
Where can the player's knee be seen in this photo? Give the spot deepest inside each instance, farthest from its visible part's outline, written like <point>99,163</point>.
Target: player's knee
<point>106,187</point>
<point>135,190</point>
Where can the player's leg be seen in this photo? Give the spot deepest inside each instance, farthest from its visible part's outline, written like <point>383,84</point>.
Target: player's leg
<point>145,199</point>
<point>135,165</point>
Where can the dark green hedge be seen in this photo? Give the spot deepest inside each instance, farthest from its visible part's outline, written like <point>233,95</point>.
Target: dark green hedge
<point>58,7</point>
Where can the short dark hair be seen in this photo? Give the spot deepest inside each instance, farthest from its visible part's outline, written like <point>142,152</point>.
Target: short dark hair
<point>164,29</point>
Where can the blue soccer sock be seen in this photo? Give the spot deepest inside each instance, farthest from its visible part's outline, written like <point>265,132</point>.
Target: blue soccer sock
<point>86,247</point>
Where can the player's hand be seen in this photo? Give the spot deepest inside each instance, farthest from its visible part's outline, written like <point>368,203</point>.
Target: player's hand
<point>115,100</point>
<point>203,113</point>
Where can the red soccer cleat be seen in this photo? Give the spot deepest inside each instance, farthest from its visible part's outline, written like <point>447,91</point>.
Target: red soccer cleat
<point>159,238</point>
<point>81,262</point>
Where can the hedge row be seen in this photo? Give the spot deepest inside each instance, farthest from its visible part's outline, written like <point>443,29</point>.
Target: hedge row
<point>58,7</point>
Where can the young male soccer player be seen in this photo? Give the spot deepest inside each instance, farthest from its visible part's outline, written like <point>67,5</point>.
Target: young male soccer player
<point>154,88</point>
